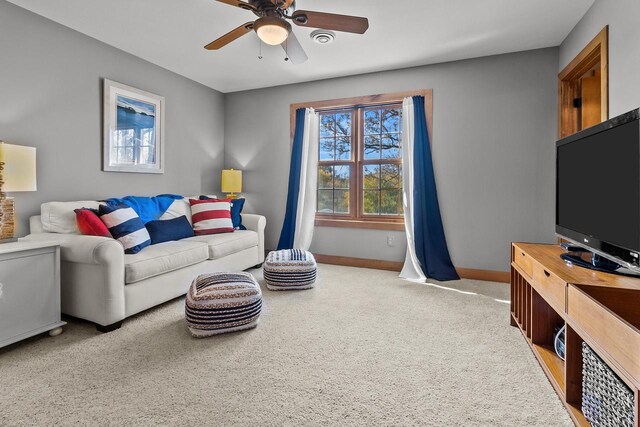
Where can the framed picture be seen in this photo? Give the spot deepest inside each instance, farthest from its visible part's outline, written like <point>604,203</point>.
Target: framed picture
<point>133,130</point>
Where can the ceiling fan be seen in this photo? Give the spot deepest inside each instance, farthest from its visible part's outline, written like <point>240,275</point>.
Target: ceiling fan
<point>272,26</point>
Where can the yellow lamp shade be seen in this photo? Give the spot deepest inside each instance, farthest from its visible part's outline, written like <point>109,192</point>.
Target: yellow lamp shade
<point>231,181</point>
<point>19,172</point>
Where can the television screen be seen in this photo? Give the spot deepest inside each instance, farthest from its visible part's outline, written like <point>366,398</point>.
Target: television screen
<point>598,186</point>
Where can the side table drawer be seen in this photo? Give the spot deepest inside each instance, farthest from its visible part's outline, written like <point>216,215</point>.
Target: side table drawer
<point>550,287</point>
<point>29,297</point>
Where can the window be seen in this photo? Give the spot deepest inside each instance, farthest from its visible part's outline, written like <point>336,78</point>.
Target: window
<point>359,164</point>
<point>359,161</point>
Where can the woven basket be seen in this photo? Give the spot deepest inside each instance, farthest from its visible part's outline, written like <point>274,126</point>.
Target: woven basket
<point>606,400</point>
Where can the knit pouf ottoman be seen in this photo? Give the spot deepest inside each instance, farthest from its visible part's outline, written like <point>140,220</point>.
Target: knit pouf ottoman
<point>290,269</point>
<point>222,302</point>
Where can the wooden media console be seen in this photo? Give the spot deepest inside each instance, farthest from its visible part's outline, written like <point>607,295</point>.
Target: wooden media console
<point>600,309</point>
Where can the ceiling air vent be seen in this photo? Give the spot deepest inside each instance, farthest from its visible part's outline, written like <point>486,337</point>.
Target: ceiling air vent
<point>323,36</point>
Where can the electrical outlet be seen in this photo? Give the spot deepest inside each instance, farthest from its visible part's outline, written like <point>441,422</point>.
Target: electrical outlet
<point>391,241</point>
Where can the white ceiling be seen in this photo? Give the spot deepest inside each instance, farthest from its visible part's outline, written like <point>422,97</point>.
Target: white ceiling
<point>402,33</point>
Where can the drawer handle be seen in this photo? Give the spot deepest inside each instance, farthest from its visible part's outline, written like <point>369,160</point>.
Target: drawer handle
<point>546,273</point>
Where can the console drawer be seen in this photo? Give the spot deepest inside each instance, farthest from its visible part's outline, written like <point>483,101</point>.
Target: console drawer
<point>614,326</point>
<point>523,260</point>
<point>552,288</point>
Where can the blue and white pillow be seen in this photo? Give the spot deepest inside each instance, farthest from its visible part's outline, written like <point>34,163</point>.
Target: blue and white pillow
<point>125,225</point>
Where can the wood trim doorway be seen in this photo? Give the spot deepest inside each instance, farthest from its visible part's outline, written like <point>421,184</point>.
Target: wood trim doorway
<point>583,87</point>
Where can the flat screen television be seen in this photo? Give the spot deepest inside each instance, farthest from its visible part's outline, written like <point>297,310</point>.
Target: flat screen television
<point>598,189</point>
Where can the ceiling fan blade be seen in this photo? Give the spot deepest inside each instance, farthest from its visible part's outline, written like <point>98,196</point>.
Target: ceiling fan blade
<point>230,36</point>
<point>238,3</point>
<point>330,21</point>
<point>294,49</point>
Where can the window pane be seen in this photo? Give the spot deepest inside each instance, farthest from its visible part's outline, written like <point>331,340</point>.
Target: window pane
<point>327,146</point>
<point>125,155</point>
<point>371,122</point>
<point>390,176</point>
<point>327,125</point>
<point>371,147</point>
<point>343,148</point>
<point>341,177</point>
<point>325,177</point>
<point>390,202</point>
<point>146,154</point>
<point>325,201</point>
<point>380,141</point>
<point>343,123</point>
<point>341,201</point>
<point>371,174</point>
<point>391,146</point>
<point>371,202</point>
<point>391,120</point>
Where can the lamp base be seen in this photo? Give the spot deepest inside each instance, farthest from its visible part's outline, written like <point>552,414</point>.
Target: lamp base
<point>232,196</point>
<point>7,220</point>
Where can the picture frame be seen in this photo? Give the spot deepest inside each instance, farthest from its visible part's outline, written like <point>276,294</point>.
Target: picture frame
<point>133,126</point>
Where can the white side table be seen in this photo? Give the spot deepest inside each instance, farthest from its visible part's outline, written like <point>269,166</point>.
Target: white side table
<point>29,290</point>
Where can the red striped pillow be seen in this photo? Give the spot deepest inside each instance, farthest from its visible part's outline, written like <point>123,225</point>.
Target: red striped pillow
<point>211,216</point>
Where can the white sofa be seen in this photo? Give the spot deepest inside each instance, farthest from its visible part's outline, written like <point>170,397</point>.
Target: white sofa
<point>102,284</point>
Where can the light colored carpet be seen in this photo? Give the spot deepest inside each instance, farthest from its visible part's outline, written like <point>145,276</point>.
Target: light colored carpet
<point>362,348</point>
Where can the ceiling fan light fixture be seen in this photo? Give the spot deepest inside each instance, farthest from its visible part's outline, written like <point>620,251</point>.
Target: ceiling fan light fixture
<point>271,30</point>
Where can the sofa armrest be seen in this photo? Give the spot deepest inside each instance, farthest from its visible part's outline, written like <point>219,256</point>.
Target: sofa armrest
<point>83,249</point>
<point>35,224</point>
<point>256,223</point>
<point>91,276</point>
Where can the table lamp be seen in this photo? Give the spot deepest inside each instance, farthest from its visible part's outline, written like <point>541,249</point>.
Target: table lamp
<point>17,173</point>
<point>231,182</point>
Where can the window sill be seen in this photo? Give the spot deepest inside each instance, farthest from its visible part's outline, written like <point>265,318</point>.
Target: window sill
<point>395,225</point>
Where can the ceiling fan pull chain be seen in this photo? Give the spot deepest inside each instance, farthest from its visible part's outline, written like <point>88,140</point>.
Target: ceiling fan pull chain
<point>286,49</point>
<point>260,48</point>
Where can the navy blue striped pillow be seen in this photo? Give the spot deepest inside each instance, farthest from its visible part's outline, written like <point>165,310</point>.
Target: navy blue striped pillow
<point>125,225</point>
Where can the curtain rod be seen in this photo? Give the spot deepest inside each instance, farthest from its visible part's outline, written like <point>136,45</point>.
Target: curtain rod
<point>357,106</point>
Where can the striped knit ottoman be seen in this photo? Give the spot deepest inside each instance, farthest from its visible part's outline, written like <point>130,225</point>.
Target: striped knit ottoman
<point>222,302</point>
<point>290,269</point>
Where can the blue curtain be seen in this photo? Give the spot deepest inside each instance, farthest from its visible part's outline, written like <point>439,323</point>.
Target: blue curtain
<point>289,227</point>
<point>431,245</point>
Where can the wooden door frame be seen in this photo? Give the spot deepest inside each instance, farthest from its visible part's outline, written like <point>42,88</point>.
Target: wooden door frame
<point>596,51</point>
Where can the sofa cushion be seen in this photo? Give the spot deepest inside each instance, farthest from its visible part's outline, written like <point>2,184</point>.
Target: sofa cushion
<point>221,245</point>
<point>162,258</point>
<point>236,211</point>
<point>90,224</point>
<point>166,230</point>
<point>60,217</point>
<point>125,226</point>
<point>177,209</point>
<point>211,216</point>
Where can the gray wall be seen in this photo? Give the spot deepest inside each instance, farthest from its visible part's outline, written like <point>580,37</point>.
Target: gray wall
<point>50,98</point>
<point>493,142</point>
<point>622,16</point>
<point>494,127</point>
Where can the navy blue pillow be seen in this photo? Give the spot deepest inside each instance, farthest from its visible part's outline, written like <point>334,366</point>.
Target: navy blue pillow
<point>166,230</point>
<point>236,210</point>
<point>125,225</point>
